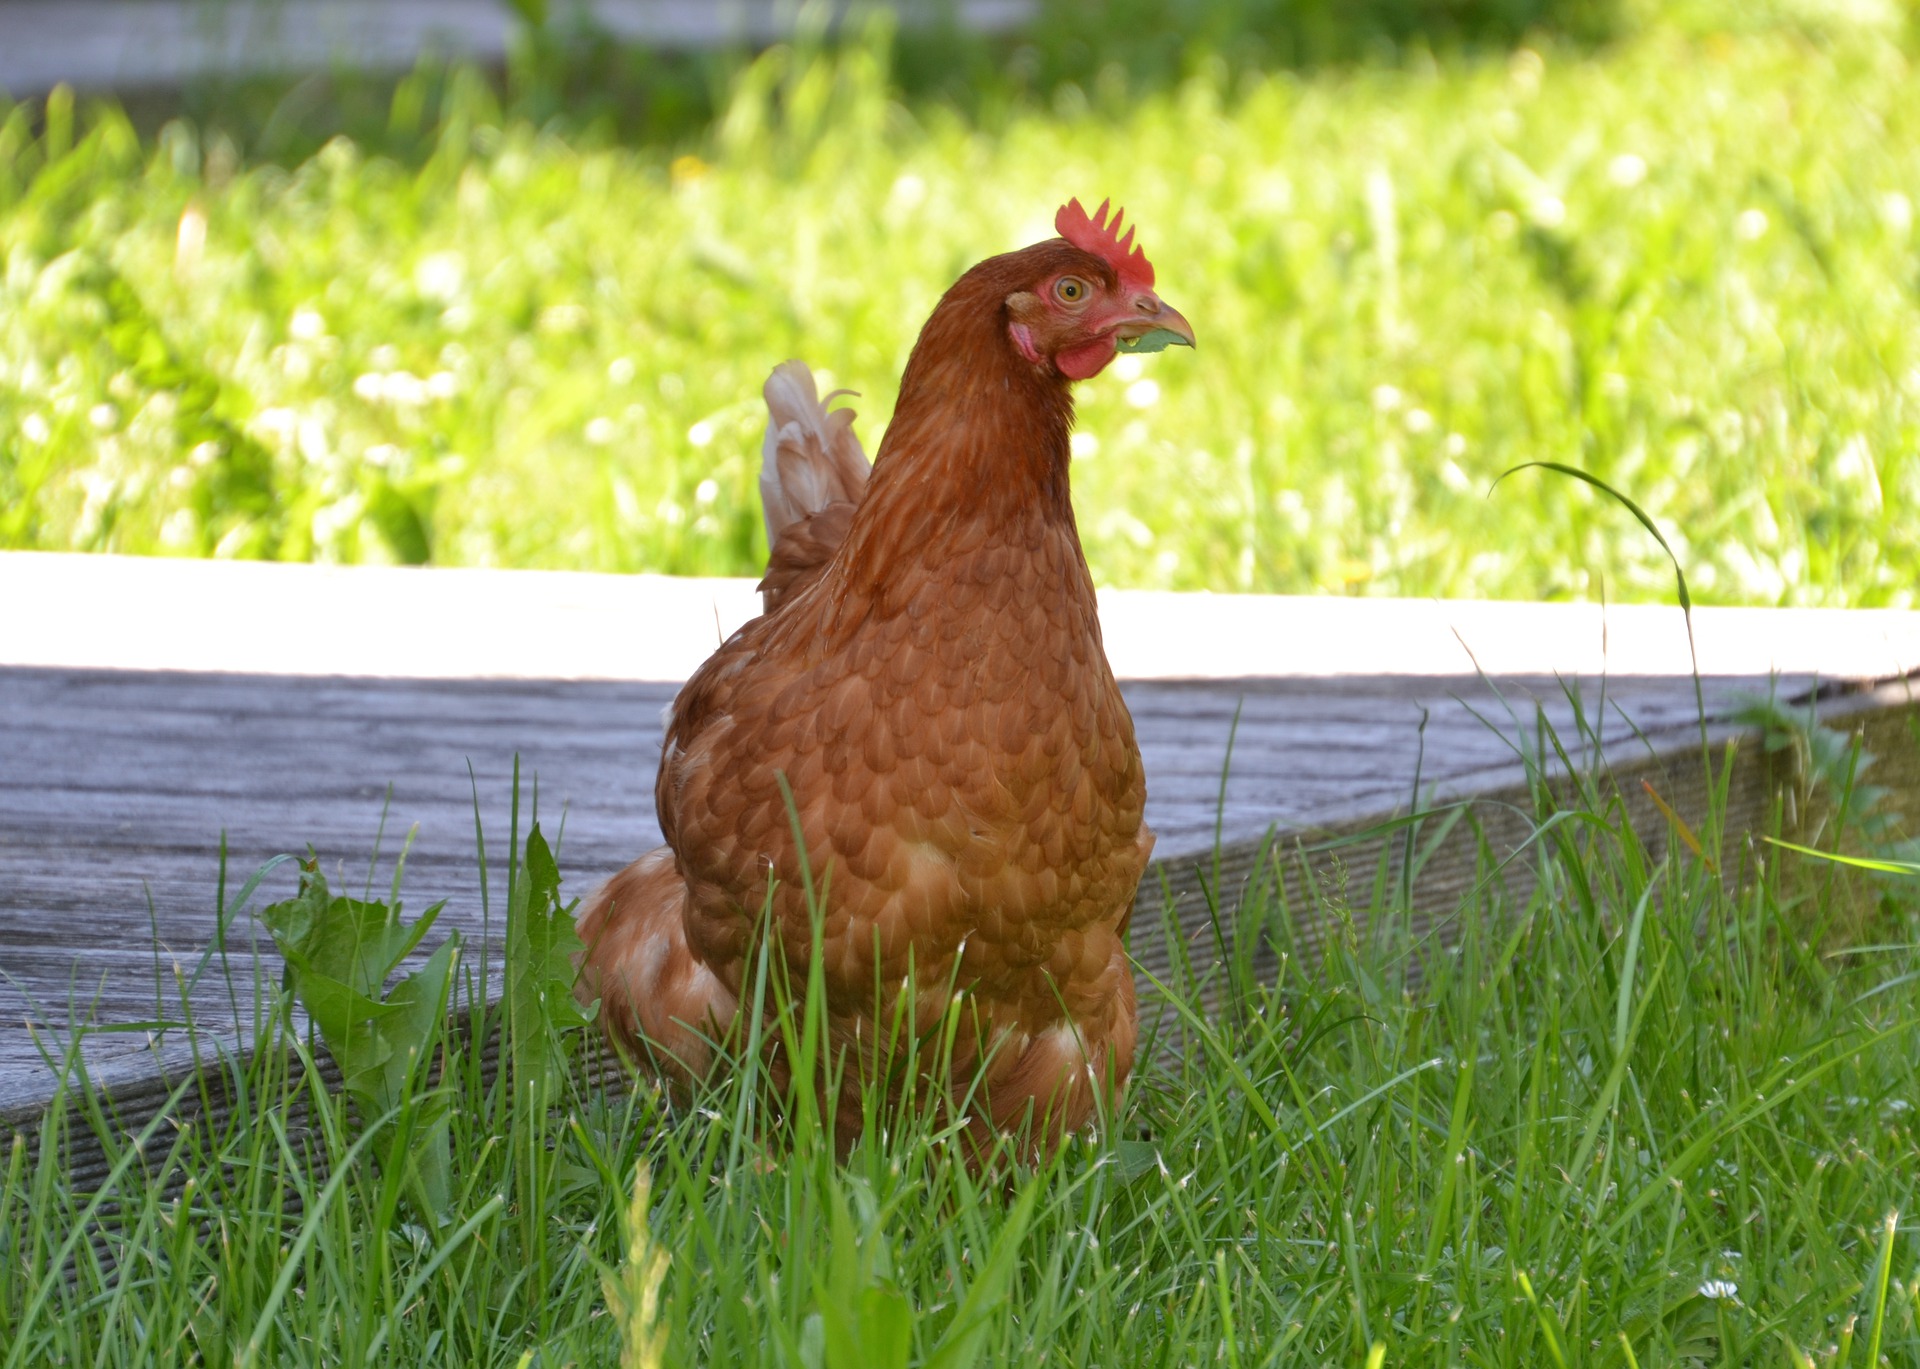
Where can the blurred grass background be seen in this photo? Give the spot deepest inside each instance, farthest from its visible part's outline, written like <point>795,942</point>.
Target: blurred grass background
<point>521,317</point>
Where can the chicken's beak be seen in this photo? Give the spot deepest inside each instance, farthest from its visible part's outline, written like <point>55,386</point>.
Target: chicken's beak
<point>1152,325</point>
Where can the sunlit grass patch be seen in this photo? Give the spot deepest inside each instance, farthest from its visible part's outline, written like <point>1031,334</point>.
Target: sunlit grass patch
<point>1687,263</point>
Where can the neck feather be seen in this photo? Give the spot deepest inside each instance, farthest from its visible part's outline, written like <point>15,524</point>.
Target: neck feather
<point>980,436</point>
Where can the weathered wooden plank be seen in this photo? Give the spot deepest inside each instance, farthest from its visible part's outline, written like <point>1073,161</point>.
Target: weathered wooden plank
<point>1885,719</point>
<point>131,1066</point>
<point>116,785</point>
<point>142,44</point>
<point>116,782</point>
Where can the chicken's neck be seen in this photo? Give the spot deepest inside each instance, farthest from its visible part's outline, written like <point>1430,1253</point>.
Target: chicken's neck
<point>977,454</point>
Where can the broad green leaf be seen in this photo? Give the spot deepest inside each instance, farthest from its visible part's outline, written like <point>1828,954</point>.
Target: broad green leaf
<point>419,1004</point>
<point>541,946</point>
<point>1156,341</point>
<point>340,953</point>
<point>1136,1159</point>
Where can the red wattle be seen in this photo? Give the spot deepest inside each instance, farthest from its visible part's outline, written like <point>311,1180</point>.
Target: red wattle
<point>1086,361</point>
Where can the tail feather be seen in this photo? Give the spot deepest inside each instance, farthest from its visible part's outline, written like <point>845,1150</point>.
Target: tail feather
<point>812,474</point>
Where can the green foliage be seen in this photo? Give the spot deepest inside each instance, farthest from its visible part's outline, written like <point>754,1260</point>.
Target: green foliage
<point>1683,262</point>
<point>340,953</point>
<point>231,473</point>
<point>1841,817</point>
<point>863,1318</point>
<point>541,946</point>
<point>1080,40</point>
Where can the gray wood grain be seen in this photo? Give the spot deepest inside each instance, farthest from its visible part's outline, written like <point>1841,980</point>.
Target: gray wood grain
<point>116,788</point>
<point>135,44</point>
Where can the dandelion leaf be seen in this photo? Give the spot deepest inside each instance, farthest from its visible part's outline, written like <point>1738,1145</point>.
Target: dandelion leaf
<point>1156,341</point>
<point>541,946</point>
<point>340,953</point>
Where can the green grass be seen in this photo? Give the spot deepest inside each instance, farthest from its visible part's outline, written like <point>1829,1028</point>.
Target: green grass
<point>1644,1116</point>
<point>1686,260</point>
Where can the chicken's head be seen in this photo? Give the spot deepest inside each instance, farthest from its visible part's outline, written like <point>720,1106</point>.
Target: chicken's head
<point>1092,296</point>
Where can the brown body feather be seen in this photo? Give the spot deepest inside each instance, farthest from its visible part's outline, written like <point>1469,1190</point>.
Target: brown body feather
<point>931,683</point>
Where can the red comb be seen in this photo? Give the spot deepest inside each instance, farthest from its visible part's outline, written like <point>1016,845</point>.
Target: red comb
<point>1103,240</point>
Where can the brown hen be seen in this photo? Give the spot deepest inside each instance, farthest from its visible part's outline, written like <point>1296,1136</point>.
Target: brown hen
<point>928,678</point>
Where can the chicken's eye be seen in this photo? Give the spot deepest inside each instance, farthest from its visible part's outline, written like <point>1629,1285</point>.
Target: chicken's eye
<point>1070,289</point>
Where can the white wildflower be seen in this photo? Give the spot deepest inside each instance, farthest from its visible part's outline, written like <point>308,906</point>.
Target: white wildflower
<point>331,520</point>
<point>1627,170</point>
<point>405,389</point>
<point>908,192</point>
<point>440,276</point>
<point>279,422</point>
<point>190,239</point>
<point>177,531</point>
<point>1525,68</point>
